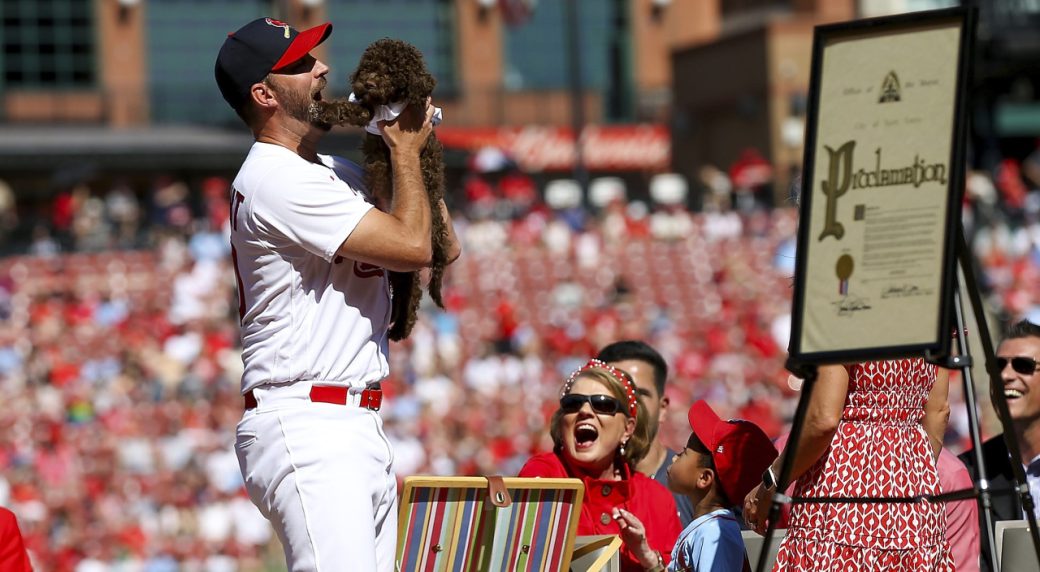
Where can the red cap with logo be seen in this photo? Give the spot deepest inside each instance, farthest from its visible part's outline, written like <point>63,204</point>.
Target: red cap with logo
<point>740,450</point>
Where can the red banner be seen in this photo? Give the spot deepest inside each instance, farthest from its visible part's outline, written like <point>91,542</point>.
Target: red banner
<point>540,148</point>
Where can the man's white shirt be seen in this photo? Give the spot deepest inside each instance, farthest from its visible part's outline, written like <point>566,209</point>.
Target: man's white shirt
<point>307,314</point>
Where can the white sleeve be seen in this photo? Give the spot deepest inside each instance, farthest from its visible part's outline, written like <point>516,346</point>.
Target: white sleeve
<point>351,173</point>
<point>309,208</point>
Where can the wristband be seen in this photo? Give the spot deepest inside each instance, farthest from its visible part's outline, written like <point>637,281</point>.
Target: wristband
<point>769,479</point>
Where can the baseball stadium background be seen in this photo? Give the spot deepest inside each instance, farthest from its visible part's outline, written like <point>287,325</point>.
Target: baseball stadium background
<point>671,222</point>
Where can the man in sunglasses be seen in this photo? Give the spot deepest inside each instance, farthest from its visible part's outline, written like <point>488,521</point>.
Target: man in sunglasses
<point>650,372</point>
<point>1017,358</point>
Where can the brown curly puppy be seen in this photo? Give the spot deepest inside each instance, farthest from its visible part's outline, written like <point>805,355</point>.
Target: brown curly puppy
<point>392,71</point>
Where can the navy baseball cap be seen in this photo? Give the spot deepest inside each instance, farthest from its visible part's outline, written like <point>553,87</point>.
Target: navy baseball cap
<point>259,48</point>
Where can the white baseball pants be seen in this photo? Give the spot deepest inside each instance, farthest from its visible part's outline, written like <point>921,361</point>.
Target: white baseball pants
<point>322,474</point>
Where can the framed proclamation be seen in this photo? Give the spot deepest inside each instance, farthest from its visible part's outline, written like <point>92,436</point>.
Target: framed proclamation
<point>881,188</point>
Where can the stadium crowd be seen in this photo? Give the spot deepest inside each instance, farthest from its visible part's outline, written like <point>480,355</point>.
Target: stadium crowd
<point>119,364</point>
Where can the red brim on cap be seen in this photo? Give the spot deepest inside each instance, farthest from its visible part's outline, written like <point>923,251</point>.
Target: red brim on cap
<point>703,421</point>
<point>303,43</point>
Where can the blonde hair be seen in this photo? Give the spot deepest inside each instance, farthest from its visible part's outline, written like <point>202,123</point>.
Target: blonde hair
<point>638,444</point>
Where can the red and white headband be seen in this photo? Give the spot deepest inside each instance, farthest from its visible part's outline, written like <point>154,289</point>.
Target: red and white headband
<point>624,378</point>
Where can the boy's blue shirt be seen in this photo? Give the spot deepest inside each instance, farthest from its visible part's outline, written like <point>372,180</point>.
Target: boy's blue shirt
<point>711,543</point>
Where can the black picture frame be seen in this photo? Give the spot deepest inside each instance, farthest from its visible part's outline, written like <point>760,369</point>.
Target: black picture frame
<point>872,347</point>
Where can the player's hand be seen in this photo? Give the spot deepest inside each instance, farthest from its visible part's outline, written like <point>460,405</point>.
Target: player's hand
<point>410,130</point>
<point>633,534</point>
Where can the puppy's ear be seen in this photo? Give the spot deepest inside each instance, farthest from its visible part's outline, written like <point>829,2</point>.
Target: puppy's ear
<point>424,85</point>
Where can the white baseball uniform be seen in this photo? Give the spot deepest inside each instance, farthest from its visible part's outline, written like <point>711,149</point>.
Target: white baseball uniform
<point>321,473</point>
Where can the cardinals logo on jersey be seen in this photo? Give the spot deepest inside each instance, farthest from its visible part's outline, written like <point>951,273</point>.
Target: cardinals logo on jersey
<point>362,269</point>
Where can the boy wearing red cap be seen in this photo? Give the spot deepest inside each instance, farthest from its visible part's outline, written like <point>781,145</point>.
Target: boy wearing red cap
<point>722,462</point>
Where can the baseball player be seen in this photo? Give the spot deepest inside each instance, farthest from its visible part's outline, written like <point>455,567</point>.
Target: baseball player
<point>310,254</point>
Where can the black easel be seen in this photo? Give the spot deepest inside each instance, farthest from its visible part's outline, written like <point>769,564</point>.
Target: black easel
<point>808,374</point>
<point>961,361</point>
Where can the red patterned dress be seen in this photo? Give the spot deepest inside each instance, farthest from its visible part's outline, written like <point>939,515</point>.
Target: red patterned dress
<point>879,450</point>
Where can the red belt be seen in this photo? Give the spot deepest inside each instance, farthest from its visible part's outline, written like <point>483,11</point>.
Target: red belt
<point>371,398</point>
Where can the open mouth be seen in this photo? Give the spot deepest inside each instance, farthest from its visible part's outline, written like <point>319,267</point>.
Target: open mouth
<point>585,436</point>
<point>316,95</point>
<point>1012,393</point>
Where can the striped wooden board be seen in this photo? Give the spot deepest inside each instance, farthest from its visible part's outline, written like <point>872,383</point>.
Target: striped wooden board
<point>596,553</point>
<point>446,524</point>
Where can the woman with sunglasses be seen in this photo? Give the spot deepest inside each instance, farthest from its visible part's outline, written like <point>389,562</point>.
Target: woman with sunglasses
<point>599,433</point>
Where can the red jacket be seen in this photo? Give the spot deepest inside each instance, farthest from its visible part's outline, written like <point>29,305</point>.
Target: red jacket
<point>13,557</point>
<point>644,497</point>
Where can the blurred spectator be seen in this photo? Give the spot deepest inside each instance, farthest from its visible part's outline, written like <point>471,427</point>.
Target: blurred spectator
<point>124,213</point>
<point>43,244</point>
<point>170,203</point>
<point>718,195</point>
<point>90,228</point>
<point>752,178</point>
<point>217,208</point>
<point>1012,187</point>
<point>63,213</point>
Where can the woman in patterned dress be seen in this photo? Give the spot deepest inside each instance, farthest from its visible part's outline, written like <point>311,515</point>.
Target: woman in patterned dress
<point>871,430</point>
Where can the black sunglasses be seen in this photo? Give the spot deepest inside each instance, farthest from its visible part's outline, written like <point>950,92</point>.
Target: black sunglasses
<point>1022,365</point>
<point>603,404</point>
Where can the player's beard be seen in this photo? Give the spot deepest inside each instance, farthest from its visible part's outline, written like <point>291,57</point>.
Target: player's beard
<point>303,107</point>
